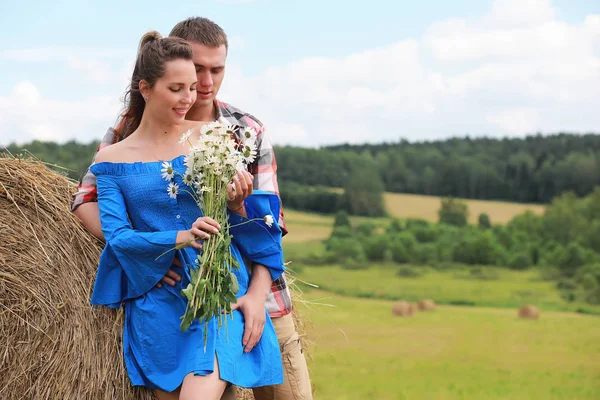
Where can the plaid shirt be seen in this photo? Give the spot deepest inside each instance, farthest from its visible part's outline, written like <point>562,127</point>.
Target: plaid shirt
<point>264,169</point>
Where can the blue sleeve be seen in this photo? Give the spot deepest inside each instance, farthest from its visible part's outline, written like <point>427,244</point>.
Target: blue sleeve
<point>256,241</point>
<point>128,267</point>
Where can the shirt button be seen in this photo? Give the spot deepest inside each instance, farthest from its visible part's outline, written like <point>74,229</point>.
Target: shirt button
<point>178,216</point>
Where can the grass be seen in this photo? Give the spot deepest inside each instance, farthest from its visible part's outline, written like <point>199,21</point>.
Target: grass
<point>360,351</point>
<point>456,286</point>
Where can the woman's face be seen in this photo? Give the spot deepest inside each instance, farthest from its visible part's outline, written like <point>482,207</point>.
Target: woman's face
<point>173,94</point>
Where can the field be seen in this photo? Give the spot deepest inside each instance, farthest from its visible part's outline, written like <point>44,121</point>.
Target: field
<point>499,287</point>
<point>479,350</point>
<point>306,226</point>
<point>361,351</point>
<point>426,207</point>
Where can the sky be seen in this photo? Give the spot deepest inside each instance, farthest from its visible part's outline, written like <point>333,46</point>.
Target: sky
<point>318,72</point>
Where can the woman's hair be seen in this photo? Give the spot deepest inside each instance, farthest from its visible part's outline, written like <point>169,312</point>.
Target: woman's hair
<point>153,53</point>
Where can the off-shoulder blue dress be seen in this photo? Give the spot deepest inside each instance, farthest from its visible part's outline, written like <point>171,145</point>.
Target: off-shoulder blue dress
<point>140,221</point>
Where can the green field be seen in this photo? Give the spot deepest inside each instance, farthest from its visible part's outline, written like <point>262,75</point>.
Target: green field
<point>479,352</point>
<point>456,286</point>
<point>361,351</point>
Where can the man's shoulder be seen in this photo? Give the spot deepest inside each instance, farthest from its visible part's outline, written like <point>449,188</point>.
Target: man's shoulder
<point>239,117</point>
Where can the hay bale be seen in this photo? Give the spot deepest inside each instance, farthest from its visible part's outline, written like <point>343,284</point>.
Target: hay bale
<point>57,345</point>
<point>529,312</point>
<point>426,305</point>
<point>403,309</point>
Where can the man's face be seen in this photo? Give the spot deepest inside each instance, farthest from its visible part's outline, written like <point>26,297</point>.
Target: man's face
<point>210,70</point>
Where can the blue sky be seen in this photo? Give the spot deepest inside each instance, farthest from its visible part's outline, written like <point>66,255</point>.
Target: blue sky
<point>319,72</point>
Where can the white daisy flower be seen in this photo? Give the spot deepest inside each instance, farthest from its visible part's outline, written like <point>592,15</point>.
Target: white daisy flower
<point>167,171</point>
<point>249,134</point>
<point>249,152</point>
<point>269,220</point>
<point>173,190</point>
<point>208,129</point>
<point>188,179</point>
<point>185,137</point>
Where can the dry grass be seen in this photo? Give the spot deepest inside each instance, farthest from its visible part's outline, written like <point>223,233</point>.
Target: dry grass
<point>426,207</point>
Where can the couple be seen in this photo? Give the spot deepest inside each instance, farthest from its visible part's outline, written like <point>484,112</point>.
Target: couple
<point>122,199</point>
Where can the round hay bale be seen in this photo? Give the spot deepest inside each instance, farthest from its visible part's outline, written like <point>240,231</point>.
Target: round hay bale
<point>403,309</point>
<point>529,312</point>
<point>57,345</point>
<point>426,305</point>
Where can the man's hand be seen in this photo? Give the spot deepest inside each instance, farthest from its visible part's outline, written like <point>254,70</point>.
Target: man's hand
<point>239,190</point>
<point>252,307</point>
<point>172,277</point>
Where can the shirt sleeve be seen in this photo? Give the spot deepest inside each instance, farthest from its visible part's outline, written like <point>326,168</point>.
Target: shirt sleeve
<point>256,240</point>
<point>264,170</point>
<point>86,189</point>
<point>131,263</point>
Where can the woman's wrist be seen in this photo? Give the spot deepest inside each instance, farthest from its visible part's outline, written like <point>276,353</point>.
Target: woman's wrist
<point>183,237</point>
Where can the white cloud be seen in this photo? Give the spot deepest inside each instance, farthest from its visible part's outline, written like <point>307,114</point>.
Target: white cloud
<point>516,121</point>
<point>514,71</point>
<point>27,115</point>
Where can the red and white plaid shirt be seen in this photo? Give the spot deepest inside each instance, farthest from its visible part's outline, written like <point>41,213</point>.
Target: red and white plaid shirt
<point>264,169</point>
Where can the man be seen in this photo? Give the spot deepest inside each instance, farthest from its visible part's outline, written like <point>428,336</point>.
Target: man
<point>209,43</point>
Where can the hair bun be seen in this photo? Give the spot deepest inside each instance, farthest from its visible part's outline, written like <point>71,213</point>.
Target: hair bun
<point>149,37</point>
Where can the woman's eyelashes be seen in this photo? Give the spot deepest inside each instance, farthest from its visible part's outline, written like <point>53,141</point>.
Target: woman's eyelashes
<point>177,89</point>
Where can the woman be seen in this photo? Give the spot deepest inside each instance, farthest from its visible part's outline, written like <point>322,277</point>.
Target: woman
<point>140,221</point>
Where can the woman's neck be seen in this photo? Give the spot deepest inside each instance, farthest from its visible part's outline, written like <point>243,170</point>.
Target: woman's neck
<point>157,132</point>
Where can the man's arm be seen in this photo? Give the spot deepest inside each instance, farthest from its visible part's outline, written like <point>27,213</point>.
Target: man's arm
<point>264,168</point>
<point>252,305</point>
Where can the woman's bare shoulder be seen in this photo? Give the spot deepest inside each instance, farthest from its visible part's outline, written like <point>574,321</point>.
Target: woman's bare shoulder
<point>114,153</point>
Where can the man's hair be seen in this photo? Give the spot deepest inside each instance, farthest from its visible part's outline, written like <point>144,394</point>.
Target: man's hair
<point>201,30</point>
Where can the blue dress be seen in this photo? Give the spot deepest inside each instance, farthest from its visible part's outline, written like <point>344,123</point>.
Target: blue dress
<point>140,222</point>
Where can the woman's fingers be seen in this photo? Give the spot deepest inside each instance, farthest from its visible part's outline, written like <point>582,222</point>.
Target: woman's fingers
<point>199,234</point>
<point>205,226</point>
<point>209,221</point>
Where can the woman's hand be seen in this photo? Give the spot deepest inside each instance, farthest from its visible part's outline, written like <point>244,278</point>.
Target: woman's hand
<point>239,190</point>
<point>201,229</point>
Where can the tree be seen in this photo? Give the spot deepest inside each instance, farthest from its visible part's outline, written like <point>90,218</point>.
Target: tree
<point>484,221</point>
<point>363,193</point>
<point>453,212</point>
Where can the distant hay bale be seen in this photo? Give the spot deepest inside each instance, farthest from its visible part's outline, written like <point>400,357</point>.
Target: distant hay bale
<point>426,305</point>
<point>55,345</point>
<point>403,309</point>
<point>529,312</point>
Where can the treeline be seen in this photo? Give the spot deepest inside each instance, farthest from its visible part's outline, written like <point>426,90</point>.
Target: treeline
<point>565,242</point>
<point>533,169</point>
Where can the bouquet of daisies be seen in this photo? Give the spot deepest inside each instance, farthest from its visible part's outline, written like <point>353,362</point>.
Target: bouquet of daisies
<point>212,163</point>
